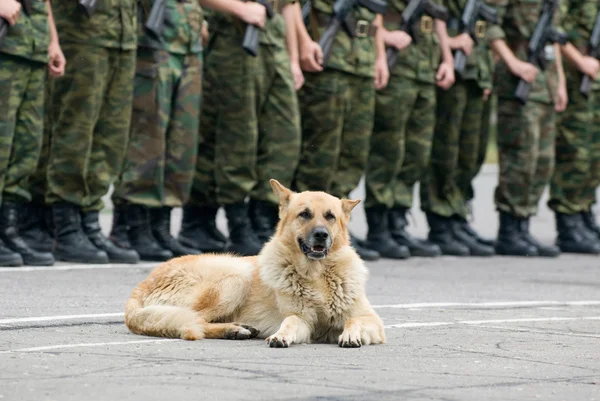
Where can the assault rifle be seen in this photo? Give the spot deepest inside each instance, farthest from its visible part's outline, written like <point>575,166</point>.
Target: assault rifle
<point>470,23</point>
<point>156,20</point>
<point>250,43</point>
<point>544,33</point>
<point>593,51</point>
<point>26,6</point>
<point>89,6</point>
<point>412,13</point>
<point>342,17</point>
<point>306,12</point>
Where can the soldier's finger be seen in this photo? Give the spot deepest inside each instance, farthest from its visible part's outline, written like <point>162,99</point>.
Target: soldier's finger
<point>319,55</point>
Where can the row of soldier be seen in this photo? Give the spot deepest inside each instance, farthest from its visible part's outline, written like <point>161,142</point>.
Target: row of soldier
<point>123,93</point>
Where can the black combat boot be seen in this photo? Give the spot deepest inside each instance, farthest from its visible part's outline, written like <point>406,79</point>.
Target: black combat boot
<point>510,240</point>
<point>574,236</point>
<point>379,238</point>
<point>242,239</point>
<point>466,227</point>
<point>9,232</point>
<point>33,228</point>
<point>397,224</point>
<point>116,254</point>
<point>441,234</point>
<point>118,233</point>
<point>9,258</point>
<point>72,245</point>
<point>264,217</point>
<point>140,235</point>
<point>160,221</point>
<point>547,251</point>
<point>362,250</point>
<point>589,220</point>
<point>199,229</point>
<point>476,248</point>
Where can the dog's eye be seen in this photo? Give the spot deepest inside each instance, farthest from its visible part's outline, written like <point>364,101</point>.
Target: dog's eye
<point>330,216</point>
<point>305,215</point>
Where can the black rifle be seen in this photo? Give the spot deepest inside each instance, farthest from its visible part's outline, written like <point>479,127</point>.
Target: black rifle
<point>543,34</point>
<point>412,13</point>
<point>250,43</point>
<point>474,12</point>
<point>156,20</point>
<point>586,81</point>
<point>89,6</point>
<point>26,6</point>
<point>306,12</point>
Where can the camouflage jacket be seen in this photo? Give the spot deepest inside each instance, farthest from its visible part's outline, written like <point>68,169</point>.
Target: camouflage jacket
<point>518,21</point>
<point>30,36</point>
<point>112,25</point>
<point>420,60</point>
<point>182,27</point>
<point>480,65</point>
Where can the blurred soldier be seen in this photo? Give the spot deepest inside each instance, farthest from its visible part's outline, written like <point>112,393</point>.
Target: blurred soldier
<point>89,124</point>
<point>30,45</point>
<point>404,124</point>
<point>249,128</point>
<point>337,102</point>
<point>526,133</point>
<point>161,156</point>
<point>455,150</point>
<point>577,171</point>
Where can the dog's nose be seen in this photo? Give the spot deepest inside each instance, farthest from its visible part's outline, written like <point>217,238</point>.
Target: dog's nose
<point>321,234</point>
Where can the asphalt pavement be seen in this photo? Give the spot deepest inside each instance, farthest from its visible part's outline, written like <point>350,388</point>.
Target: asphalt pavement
<point>458,329</point>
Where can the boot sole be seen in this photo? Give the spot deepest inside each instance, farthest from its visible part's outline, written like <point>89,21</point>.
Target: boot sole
<point>42,262</point>
<point>84,260</point>
<point>14,262</point>
<point>503,252</point>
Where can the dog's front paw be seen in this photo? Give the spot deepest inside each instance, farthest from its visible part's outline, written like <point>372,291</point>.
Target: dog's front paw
<point>277,341</point>
<point>349,339</point>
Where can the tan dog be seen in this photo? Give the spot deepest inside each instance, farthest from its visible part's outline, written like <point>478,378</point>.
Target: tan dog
<point>307,285</point>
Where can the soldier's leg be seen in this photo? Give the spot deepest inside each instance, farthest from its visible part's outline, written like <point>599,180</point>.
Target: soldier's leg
<point>181,149</point>
<point>77,99</point>
<point>22,164</point>
<point>589,193</point>
<point>278,142</point>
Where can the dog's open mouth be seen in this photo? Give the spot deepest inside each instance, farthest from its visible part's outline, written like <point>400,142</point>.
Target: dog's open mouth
<point>313,252</point>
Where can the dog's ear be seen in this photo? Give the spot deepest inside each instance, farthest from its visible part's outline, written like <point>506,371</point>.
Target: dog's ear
<point>348,205</point>
<point>282,192</point>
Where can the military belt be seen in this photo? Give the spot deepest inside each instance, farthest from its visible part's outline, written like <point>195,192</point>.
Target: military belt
<point>453,24</point>
<point>359,28</point>
<point>395,18</point>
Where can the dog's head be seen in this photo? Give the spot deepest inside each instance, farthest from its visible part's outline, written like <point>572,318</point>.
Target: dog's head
<point>315,221</point>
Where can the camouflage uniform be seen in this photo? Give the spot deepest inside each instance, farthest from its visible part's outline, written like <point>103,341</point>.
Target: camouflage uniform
<point>91,113</point>
<point>337,108</point>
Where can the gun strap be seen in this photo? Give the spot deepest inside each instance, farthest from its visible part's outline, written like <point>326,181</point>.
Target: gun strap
<point>354,28</point>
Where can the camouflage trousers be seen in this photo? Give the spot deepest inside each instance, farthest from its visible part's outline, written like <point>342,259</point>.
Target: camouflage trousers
<point>21,124</point>
<point>526,137</point>
<point>249,125</point>
<point>163,143</point>
<point>577,172</point>
<point>89,122</point>
<point>455,149</point>
<point>38,183</point>
<point>337,120</point>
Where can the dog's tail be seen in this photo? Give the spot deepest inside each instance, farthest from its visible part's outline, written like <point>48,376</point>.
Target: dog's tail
<point>162,320</point>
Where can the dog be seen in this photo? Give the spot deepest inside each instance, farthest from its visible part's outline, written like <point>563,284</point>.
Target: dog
<point>307,285</point>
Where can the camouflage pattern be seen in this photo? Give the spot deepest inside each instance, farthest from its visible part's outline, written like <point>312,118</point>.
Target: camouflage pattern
<point>455,149</point>
<point>113,24</point>
<point>30,36</point>
<point>337,119</point>
<point>21,124</point>
<point>161,155</point>
<point>577,171</point>
<point>526,155</point>
<point>89,123</point>
<point>242,114</point>
<point>38,184</point>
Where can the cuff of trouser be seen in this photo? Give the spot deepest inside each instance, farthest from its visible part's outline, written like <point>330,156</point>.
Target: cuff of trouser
<point>494,33</point>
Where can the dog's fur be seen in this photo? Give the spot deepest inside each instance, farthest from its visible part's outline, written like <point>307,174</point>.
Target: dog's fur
<point>287,294</point>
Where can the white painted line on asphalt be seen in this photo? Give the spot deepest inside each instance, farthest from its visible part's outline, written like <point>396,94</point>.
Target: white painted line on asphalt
<point>488,304</point>
<point>82,345</point>
<point>65,317</point>
<point>67,267</point>
<point>480,322</point>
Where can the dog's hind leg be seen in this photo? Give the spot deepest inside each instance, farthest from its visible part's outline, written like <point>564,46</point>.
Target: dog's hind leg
<point>218,301</point>
<point>230,331</point>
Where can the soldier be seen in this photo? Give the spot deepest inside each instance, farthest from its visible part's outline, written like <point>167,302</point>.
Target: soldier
<point>577,172</point>
<point>404,122</point>
<point>249,129</point>
<point>337,102</point>
<point>526,132</point>
<point>455,150</point>
<point>89,124</point>
<point>30,46</point>
<point>161,155</point>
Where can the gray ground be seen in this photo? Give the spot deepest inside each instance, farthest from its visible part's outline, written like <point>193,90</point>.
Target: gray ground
<point>458,329</point>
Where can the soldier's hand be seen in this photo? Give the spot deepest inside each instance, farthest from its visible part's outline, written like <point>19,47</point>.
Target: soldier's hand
<point>204,35</point>
<point>254,14</point>
<point>311,56</point>
<point>523,70</point>
<point>57,61</point>
<point>445,75</point>
<point>462,42</point>
<point>562,98</point>
<point>382,73</point>
<point>398,39</point>
<point>590,66</point>
<point>10,11</point>
<point>486,94</point>
<point>298,75</point>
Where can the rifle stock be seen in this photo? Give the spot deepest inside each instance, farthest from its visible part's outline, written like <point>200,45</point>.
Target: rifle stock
<point>252,33</point>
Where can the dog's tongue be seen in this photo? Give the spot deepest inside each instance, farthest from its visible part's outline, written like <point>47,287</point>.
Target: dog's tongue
<point>318,248</point>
